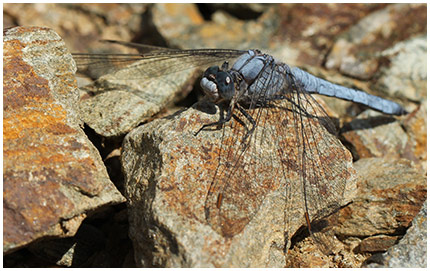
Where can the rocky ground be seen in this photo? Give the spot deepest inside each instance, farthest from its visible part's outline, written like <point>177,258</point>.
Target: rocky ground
<point>96,178</point>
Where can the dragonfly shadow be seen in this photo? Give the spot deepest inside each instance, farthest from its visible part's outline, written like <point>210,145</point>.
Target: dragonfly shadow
<point>360,125</point>
<point>206,106</point>
<point>367,123</point>
<point>322,231</point>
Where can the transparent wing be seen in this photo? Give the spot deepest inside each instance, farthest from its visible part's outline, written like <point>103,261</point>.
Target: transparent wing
<point>156,62</point>
<point>293,146</point>
<point>322,160</point>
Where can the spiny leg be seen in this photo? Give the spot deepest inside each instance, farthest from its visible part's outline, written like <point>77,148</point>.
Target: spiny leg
<point>250,119</point>
<point>220,122</point>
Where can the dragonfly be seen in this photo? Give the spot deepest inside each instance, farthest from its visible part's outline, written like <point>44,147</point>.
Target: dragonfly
<point>256,88</point>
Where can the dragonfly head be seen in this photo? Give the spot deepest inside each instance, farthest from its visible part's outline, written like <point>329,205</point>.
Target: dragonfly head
<point>217,84</point>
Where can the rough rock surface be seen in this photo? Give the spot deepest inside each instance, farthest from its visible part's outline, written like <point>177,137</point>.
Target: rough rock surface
<point>120,101</point>
<point>415,125</point>
<point>356,53</point>
<point>375,135</point>
<point>411,251</point>
<point>406,74</point>
<point>390,193</point>
<point>53,175</point>
<point>169,172</point>
<point>379,48</point>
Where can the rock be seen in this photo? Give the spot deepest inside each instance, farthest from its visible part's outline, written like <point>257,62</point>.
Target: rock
<point>374,43</point>
<point>377,243</point>
<point>82,25</point>
<point>415,125</point>
<point>411,251</point>
<point>120,101</point>
<point>306,33</point>
<point>373,134</point>
<point>174,220</point>
<point>405,75</point>
<point>72,251</point>
<point>53,175</point>
<point>356,52</point>
<point>305,254</point>
<point>390,193</point>
<point>224,31</point>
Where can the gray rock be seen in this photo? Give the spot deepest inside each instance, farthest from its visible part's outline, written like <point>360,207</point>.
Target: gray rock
<point>120,101</point>
<point>169,172</point>
<point>411,251</point>
<point>377,243</point>
<point>406,74</point>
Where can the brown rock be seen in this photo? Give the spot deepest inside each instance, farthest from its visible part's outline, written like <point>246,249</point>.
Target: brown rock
<point>390,193</point>
<point>310,30</point>
<point>169,172</point>
<point>81,25</point>
<point>377,243</point>
<point>411,251</point>
<point>53,175</point>
<point>415,125</point>
<point>375,135</point>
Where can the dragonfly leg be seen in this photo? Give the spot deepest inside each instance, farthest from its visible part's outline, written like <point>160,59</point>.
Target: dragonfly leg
<point>251,120</point>
<point>220,122</point>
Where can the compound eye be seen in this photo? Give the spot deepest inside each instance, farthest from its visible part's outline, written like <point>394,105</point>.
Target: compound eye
<point>211,72</point>
<point>225,85</point>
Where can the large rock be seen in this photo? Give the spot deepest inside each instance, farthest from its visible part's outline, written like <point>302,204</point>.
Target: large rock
<point>173,177</point>
<point>53,175</point>
<point>120,101</point>
<point>390,193</point>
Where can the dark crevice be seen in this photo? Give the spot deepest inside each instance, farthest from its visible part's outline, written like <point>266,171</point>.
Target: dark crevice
<point>106,148</point>
<point>149,33</point>
<point>240,11</point>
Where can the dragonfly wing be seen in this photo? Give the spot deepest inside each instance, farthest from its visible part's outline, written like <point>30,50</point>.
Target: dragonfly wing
<point>293,147</point>
<point>162,61</point>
